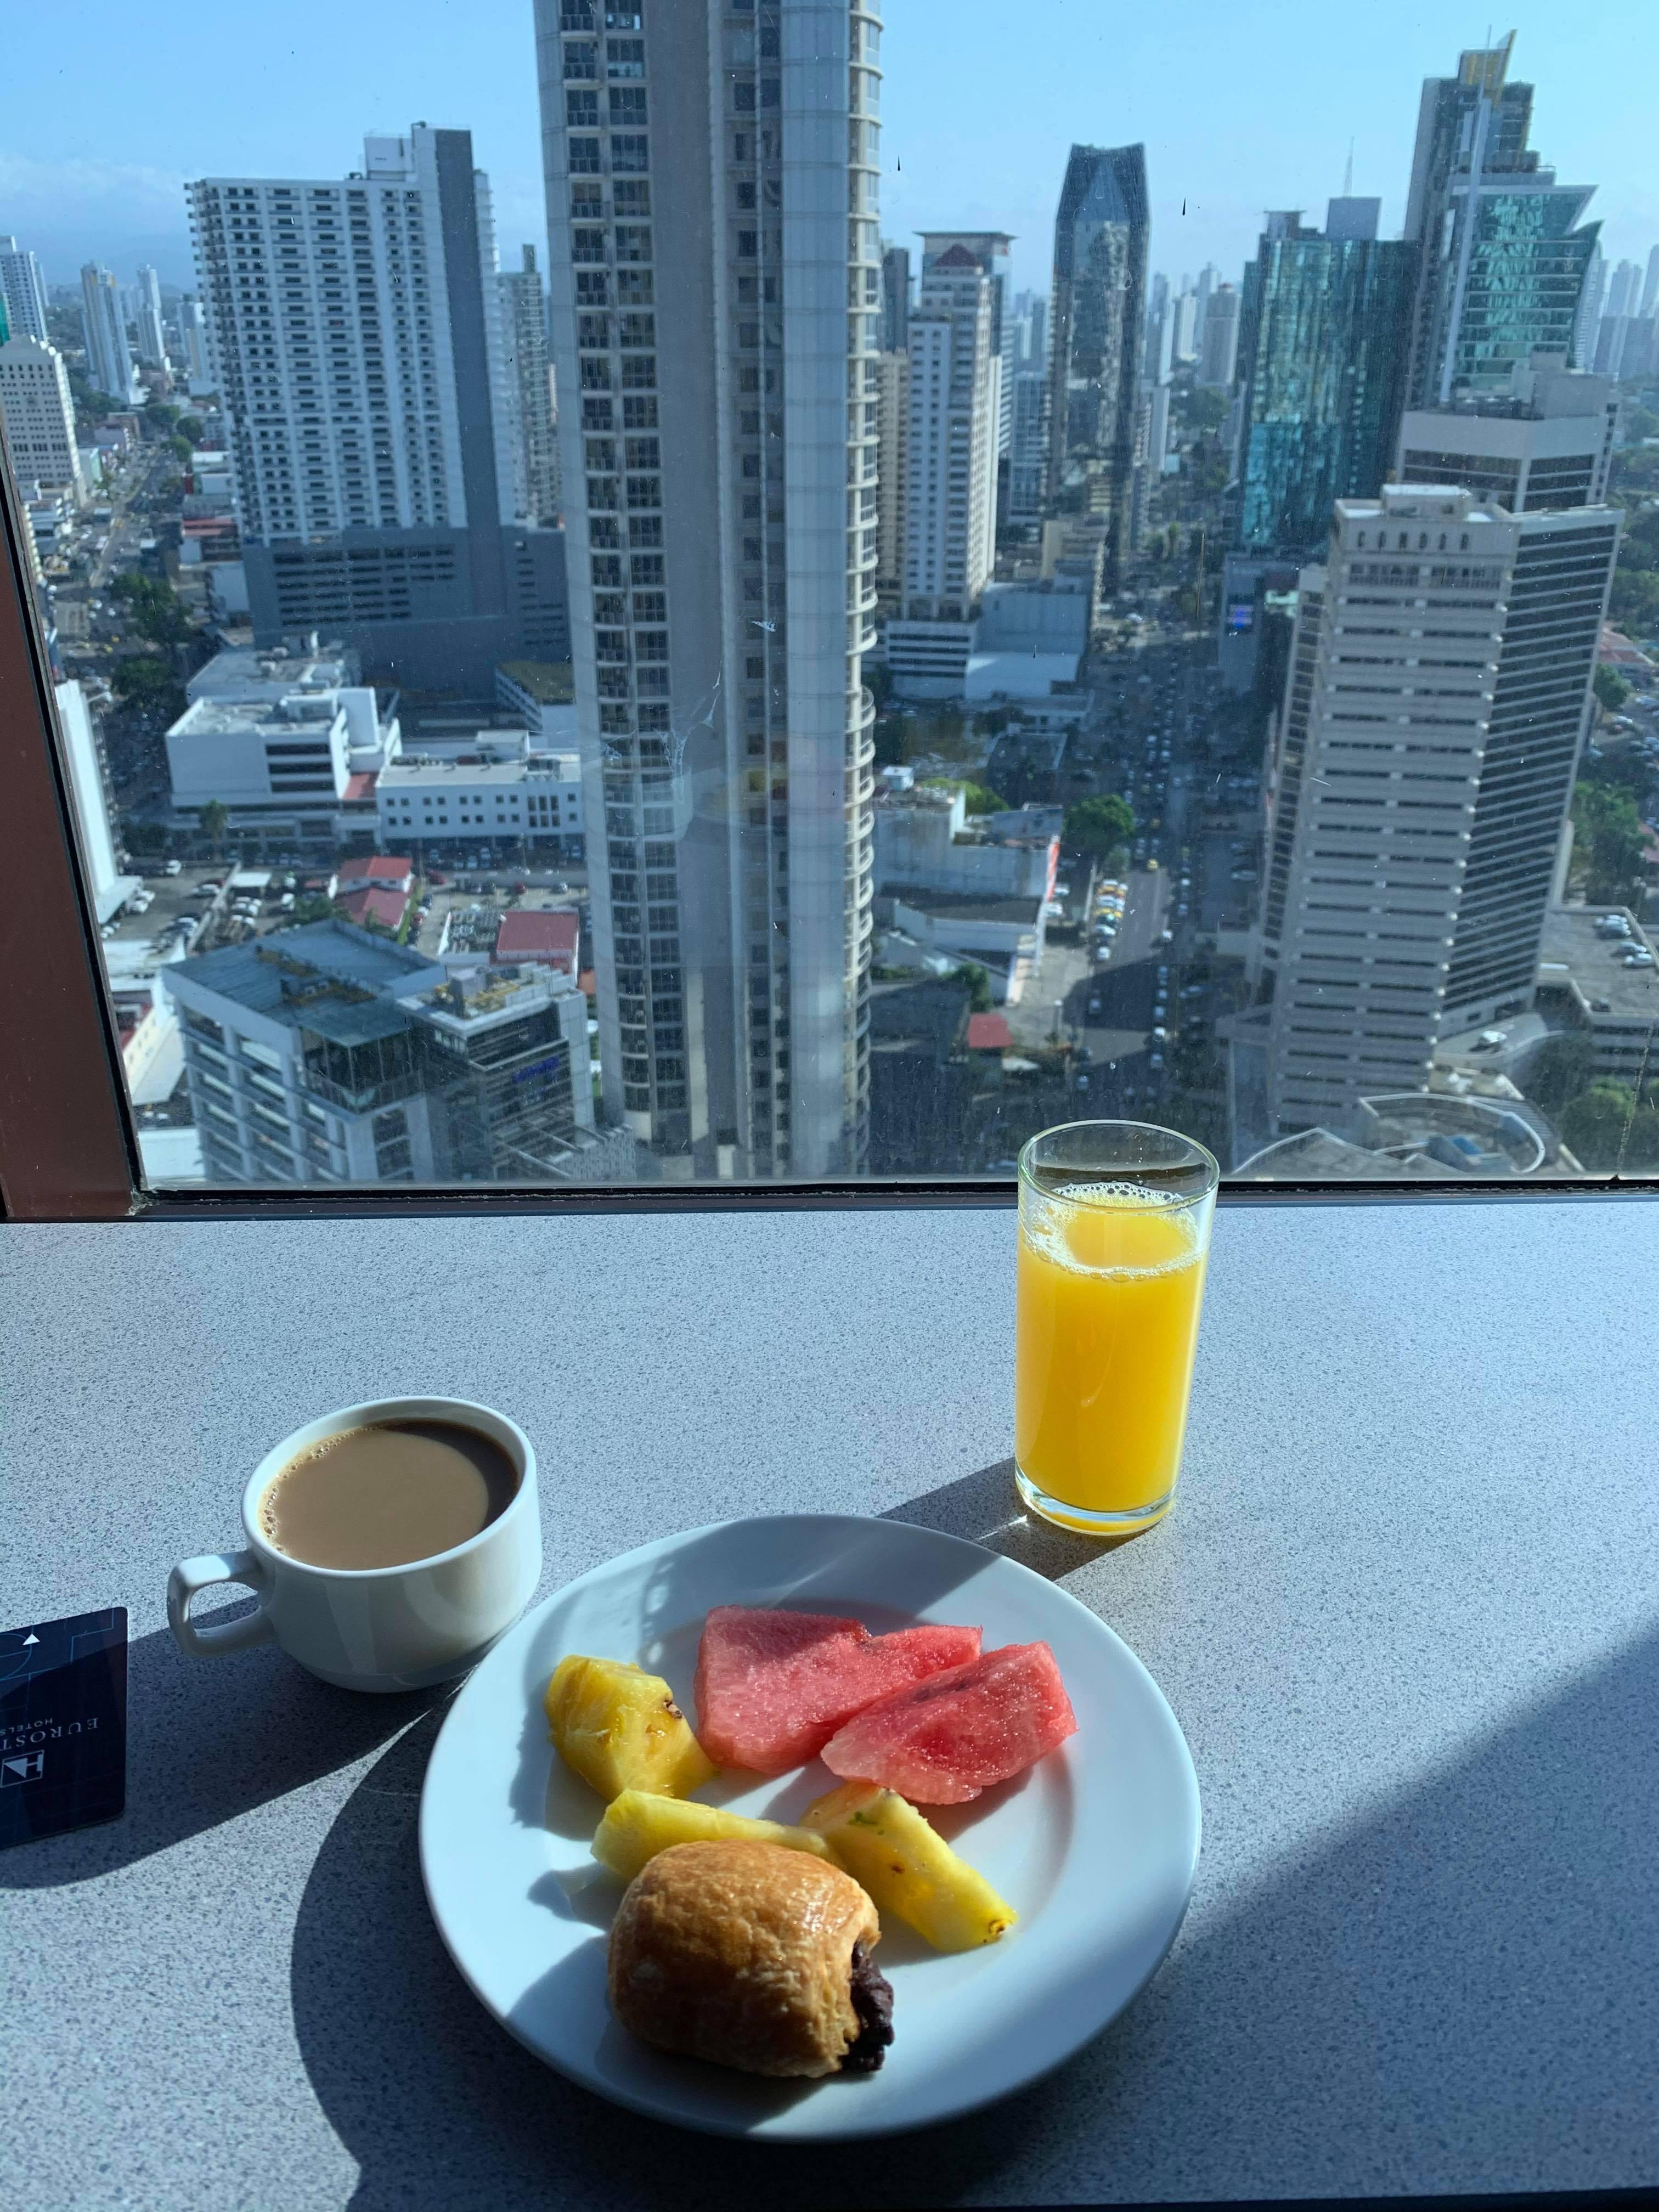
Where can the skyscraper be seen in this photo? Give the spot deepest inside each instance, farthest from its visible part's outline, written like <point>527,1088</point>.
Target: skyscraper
<point>1097,310</point>
<point>1420,791</point>
<point>152,345</point>
<point>354,331</point>
<point>895,296</point>
<point>723,520</point>
<point>955,386</point>
<point>1587,323</point>
<point>1320,364</point>
<point>192,322</point>
<point>1219,359</point>
<point>1504,255</point>
<point>1028,452</point>
<point>989,249</point>
<point>39,418</point>
<point>1545,444</point>
<point>1651,285</point>
<point>109,357</point>
<point>530,392</point>
<point>24,289</point>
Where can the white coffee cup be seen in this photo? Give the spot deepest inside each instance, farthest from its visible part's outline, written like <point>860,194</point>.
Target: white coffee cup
<point>376,1628</point>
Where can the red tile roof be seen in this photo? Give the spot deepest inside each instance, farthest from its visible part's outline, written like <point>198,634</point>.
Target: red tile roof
<point>387,907</point>
<point>362,785</point>
<point>988,1033</point>
<point>375,867</point>
<point>545,935</point>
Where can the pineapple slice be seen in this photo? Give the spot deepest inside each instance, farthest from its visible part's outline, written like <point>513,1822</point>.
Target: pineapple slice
<point>619,1729</point>
<point>637,1825</point>
<point>908,1869</point>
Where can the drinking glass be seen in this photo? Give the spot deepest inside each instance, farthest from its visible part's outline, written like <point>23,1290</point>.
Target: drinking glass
<point>1113,1237</point>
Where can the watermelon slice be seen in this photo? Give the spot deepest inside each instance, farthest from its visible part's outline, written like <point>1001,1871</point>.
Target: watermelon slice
<point>773,1686</point>
<point>941,1741</point>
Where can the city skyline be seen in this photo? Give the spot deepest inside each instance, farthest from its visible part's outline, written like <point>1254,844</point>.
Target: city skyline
<point>963,145</point>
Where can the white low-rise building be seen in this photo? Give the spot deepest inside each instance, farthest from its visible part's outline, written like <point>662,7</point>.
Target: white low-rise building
<point>535,797</point>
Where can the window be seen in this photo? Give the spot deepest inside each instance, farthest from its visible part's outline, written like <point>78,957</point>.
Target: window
<point>1191,734</point>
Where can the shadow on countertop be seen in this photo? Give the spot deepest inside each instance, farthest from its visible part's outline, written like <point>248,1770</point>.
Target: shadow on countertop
<point>209,1740</point>
<point>985,1507</point>
<point>1439,1999</point>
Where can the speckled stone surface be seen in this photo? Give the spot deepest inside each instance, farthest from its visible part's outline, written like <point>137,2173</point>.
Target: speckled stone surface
<point>1407,1611</point>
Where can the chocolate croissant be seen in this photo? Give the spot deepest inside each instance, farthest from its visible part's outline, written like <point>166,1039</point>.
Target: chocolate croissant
<point>752,1956</point>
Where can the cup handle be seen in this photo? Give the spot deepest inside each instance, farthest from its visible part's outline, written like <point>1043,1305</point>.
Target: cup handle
<point>191,1576</point>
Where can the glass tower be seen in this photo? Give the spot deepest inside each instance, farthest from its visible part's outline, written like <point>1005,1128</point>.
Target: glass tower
<point>1097,311</point>
<point>1505,254</point>
<point>1323,373</point>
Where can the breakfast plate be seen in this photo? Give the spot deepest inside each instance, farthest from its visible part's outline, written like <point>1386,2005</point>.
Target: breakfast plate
<point>1095,1846</point>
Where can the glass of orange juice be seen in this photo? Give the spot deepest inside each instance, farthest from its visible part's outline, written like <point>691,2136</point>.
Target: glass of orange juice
<point>1113,1237</point>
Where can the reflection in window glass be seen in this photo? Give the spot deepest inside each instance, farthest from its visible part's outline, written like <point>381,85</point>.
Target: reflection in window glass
<point>581,657</point>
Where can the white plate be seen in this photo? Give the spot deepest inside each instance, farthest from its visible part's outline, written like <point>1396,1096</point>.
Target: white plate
<point>1095,1846</point>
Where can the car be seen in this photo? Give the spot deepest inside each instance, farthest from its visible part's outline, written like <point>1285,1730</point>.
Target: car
<point>1094,1005</point>
<point>1155,1060</point>
<point>1166,937</point>
<point>1180,911</point>
<point>173,868</point>
<point>438,880</point>
<point>1601,1005</point>
<point>1244,875</point>
<point>1160,1033</point>
<point>1083,1083</point>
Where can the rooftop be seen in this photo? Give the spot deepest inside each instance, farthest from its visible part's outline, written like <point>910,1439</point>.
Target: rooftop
<point>377,868</point>
<point>329,976</point>
<point>947,906</point>
<point>387,907</point>
<point>549,682</point>
<point>1573,953</point>
<point>415,767</point>
<point>988,1033</point>
<point>545,934</point>
<point>212,716</point>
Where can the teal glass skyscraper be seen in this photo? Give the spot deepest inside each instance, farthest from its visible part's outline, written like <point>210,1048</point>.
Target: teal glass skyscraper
<point>1322,364</point>
<point>1504,251</point>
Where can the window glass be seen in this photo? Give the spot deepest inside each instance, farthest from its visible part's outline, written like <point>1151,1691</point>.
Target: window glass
<point>591,645</point>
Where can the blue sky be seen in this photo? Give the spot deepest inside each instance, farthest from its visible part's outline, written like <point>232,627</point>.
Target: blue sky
<point>1242,105</point>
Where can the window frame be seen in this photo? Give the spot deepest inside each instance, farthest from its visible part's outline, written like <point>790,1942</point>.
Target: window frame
<point>68,1146</point>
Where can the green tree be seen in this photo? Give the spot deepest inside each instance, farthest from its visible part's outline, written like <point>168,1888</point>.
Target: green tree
<point>214,820</point>
<point>1609,833</point>
<point>1608,1131</point>
<point>192,428</point>
<point>980,801</point>
<point>148,686</point>
<point>1561,1069</point>
<point>1611,689</point>
<point>313,907</point>
<point>156,609</point>
<point>1099,825</point>
<point>979,987</point>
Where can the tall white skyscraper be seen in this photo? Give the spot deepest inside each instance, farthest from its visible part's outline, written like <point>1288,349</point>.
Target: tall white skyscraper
<point>951,507</point>
<point>354,331</point>
<point>1185,333</point>
<point>989,249</point>
<point>1437,698</point>
<point>24,291</point>
<point>152,345</point>
<point>1586,324</point>
<point>530,385</point>
<point>109,355</point>
<point>892,477</point>
<point>39,416</point>
<point>192,322</point>
<point>716,294</point>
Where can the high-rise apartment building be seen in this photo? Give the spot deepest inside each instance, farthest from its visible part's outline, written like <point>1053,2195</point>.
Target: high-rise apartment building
<point>1438,695</point>
<point>109,364</point>
<point>1503,255</point>
<point>530,394</point>
<point>1185,337</point>
<point>892,479</point>
<point>23,290</point>
<point>954,387</point>
<point>353,329</point>
<point>1097,310</point>
<point>716,289</point>
<point>39,416</point>
<point>1586,324</point>
<point>1219,358</point>
<point>895,297</point>
<point>989,249</point>
<point>1031,330</point>
<point>1320,366</point>
<point>147,319</point>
